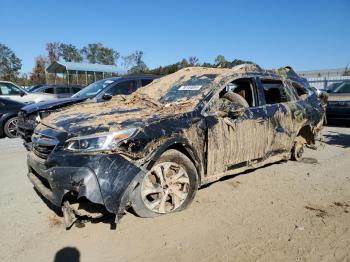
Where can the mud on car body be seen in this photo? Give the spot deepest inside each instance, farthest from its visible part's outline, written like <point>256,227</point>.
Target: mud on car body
<point>153,149</point>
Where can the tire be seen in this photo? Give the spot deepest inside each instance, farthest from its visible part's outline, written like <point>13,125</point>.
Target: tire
<point>10,127</point>
<point>235,98</point>
<point>297,151</point>
<point>179,179</point>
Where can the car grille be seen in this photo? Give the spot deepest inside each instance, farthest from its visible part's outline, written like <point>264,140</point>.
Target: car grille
<point>42,151</point>
<point>43,145</point>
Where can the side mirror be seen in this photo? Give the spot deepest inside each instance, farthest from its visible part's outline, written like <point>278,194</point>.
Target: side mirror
<point>107,96</point>
<point>22,93</point>
<point>328,91</point>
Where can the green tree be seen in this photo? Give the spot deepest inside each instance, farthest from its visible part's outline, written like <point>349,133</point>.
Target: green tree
<point>70,53</point>
<point>184,63</point>
<point>10,64</point>
<point>139,66</point>
<point>97,53</point>
<point>38,75</point>
<point>53,51</point>
<point>220,61</point>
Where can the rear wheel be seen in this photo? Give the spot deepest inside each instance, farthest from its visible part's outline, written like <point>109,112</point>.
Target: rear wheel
<point>169,186</point>
<point>298,151</point>
<point>10,127</point>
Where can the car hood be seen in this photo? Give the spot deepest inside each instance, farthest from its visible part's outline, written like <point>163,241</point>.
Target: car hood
<point>36,98</point>
<point>339,97</point>
<point>51,104</point>
<point>119,113</point>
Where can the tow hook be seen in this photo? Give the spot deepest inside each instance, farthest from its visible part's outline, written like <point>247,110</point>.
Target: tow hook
<point>68,215</point>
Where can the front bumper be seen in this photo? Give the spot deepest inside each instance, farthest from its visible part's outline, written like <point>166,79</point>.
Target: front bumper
<point>102,178</point>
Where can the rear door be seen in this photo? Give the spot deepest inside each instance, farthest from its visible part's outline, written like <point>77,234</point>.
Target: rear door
<point>283,113</point>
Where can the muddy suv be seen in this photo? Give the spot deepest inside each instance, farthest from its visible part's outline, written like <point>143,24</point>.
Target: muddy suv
<point>153,149</point>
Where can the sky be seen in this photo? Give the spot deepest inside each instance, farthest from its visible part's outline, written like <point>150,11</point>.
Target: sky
<point>307,35</point>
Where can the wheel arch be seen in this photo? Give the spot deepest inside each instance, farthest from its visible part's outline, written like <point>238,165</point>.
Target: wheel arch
<point>306,134</point>
<point>183,146</point>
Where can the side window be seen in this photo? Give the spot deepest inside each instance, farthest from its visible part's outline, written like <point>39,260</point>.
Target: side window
<point>75,90</point>
<point>245,88</point>
<point>301,91</point>
<point>275,92</point>
<point>49,90</point>
<point>145,82</point>
<point>62,90</point>
<point>8,89</point>
<point>123,88</point>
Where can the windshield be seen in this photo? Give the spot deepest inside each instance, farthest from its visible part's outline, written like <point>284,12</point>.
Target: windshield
<point>189,83</point>
<point>341,88</point>
<point>332,86</point>
<point>93,89</point>
<point>35,88</point>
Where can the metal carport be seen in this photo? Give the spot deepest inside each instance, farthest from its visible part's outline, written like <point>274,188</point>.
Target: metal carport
<point>73,68</point>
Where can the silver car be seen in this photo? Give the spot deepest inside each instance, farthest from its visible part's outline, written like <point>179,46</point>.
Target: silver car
<point>11,91</point>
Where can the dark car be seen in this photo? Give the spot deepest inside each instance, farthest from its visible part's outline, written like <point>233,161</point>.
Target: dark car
<point>8,117</point>
<point>153,149</point>
<point>60,91</point>
<point>100,91</point>
<point>338,107</point>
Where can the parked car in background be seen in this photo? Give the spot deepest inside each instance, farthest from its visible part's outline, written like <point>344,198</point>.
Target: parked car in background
<point>60,91</point>
<point>33,88</point>
<point>100,91</point>
<point>11,91</point>
<point>338,107</point>
<point>8,117</point>
<point>153,149</point>
<point>331,86</point>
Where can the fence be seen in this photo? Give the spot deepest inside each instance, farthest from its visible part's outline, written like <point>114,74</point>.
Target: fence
<point>323,82</point>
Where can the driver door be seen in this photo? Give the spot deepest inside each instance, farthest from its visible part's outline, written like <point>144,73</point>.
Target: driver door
<point>237,140</point>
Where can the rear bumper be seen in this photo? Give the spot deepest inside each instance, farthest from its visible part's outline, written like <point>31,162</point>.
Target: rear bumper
<point>102,179</point>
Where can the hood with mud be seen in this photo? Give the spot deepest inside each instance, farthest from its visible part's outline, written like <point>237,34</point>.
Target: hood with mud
<point>121,112</point>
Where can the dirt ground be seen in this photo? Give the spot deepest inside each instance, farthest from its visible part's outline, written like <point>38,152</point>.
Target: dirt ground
<point>283,212</point>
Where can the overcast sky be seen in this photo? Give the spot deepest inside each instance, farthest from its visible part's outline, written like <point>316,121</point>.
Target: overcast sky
<point>304,34</point>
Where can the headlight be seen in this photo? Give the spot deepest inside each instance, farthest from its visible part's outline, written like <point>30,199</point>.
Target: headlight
<point>105,141</point>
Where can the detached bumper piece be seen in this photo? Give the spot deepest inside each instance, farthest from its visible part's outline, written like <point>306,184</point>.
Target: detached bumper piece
<point>85,185</point>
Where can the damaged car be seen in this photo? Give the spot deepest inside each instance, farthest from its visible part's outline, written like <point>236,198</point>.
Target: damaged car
<point>153,149</point>
<point>99,91</point>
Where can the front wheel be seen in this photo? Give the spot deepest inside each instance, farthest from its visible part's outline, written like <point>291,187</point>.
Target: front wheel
<point>10,127</point>
<point>169,186</point>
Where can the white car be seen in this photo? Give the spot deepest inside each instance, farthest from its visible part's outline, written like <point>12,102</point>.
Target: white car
<point>11,91</point>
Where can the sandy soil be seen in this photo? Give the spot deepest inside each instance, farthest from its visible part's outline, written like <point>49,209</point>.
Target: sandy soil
<point>283,212</point>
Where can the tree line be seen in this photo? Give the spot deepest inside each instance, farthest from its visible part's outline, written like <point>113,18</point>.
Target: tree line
<point>10,64</point>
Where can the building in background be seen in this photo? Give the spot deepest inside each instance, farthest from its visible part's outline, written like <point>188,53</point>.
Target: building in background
<point>79,73</point>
